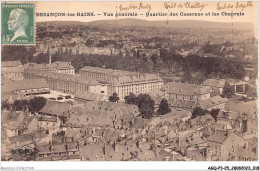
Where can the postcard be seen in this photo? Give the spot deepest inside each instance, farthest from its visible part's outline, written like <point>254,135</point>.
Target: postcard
<point>129,81</point>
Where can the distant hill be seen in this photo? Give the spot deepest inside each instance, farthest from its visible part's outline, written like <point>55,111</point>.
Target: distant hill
<point>189,24</point>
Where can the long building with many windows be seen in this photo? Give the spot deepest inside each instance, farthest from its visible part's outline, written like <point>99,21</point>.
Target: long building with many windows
<point>58,67</point>
<point>67,83</point>
<point>123,82</point>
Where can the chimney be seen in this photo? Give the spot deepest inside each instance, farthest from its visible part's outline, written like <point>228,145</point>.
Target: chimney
<point>50,59</point>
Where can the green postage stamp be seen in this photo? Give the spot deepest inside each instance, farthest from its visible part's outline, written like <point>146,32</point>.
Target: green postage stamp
<point>18,23</point>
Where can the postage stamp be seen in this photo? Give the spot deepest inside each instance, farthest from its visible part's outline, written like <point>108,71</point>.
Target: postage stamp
<point>18,23</point>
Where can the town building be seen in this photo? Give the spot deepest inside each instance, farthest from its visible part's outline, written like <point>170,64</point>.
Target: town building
<point>11,70</point>
<point>215,102</point>
<point>216,84</point>
<point>54,109</point>
<point>67,83</point>
<point>185,91</point>
<point>83,96</point>
<point>58,67</point>
<point>222,144</point>
<point>27,87</point>
<point>123,82</point>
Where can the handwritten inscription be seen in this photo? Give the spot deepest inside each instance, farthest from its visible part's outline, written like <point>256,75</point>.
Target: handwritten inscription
<point>238,5</point>
<point>140,6</point>
<point>196,5</point>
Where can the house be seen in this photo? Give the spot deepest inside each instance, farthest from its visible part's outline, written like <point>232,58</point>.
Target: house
<point>222,144</point>
<point>54,109</point>
<point>229,118</point>
<point>83,96</point>
<point>176,115</point>
<point>58,67</point>
<point>11,70</point>
<point>216,84</point>
<point>206,120</point>
<point>177,104</point>
<point>185,91</point>
<point>58,152</point>
<point>27,87</point>
<point>93,152</point>
<point>215,102</point>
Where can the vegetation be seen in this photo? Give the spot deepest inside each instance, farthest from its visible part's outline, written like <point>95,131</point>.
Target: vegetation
<point>131,99</point>
<point>200,112</point>
<point>228,91</point>
<point>144,102</point>
<point>164,107</point>
<point>34,105</point>
<point>167,59</point>
<point>113,98</point>
<point>197,112</point>
<point>214,113</point>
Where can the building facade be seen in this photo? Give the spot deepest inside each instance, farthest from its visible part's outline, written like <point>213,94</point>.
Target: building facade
<point>123,82</point>
<point>12,70</point>
<point>185,91</point>
<point>216,84</point>
<point>58,67</point>
<point>67,83</point>
<point>27,87</point>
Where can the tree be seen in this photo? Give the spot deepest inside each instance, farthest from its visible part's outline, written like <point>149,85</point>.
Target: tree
<point>114,97</point>
<point>145,105</point>
<point>214,113</point>
<point>228,91</point>
<point>5,105</point>
<point>130,99</point>
<point>164,107</point>
<point>19,105</point>
<point>36,104</point>
<point>197,112</point>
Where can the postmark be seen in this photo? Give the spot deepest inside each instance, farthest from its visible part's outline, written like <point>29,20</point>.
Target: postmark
<point>18,23</point>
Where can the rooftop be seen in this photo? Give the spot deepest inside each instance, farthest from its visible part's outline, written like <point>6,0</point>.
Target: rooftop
<point>186,89</point>
<point>25,85</point>
<point>55,65</point>
<point>214,83</point>
<point>211,102</point>
<point>56,108</point>
<point>218,137</point>
<point>10,63</point>
<point>90,96</point>
<point>64,77</point>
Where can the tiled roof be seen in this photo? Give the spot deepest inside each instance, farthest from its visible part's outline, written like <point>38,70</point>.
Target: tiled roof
<point>64,77</point>
<point>59,148</point>
<point>55,65</point>
<point>12,119</point>
<point>178,103</point>
<point>42,149</point>
<point>21,138</point>
<point>228,115</point>
<point>241,153</point>
<point>195,155</point>
<point>219,136</point>
<point>214,83</point>
<point>10,63</point>
<point>211,102</point>
<point>56,108</point>
<point>25,85</point>
<point>186,89</point>
<point>107,71</point>
<point>90,96</point>
<point>121,77</point>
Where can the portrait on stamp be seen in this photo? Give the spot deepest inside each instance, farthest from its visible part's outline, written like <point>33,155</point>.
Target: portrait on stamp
<point>18,25</point>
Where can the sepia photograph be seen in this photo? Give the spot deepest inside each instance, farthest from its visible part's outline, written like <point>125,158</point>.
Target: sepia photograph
<point>129,81</point>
